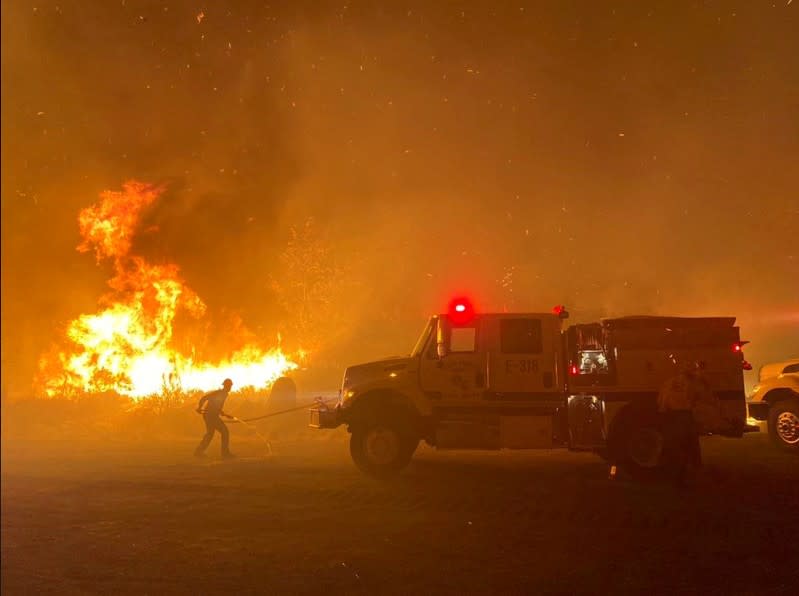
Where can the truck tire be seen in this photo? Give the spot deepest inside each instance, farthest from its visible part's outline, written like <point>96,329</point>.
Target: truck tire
<point>382,446</point>
<point>636,445</point>
<point>783,424</point>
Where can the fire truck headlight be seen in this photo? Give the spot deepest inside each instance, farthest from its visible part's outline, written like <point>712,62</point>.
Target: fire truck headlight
<point>346,396</point>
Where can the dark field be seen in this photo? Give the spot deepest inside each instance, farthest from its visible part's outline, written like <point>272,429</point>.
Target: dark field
<point>113,518</point>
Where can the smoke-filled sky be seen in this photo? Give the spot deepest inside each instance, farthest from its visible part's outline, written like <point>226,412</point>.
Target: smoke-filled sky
<point>628,157</point>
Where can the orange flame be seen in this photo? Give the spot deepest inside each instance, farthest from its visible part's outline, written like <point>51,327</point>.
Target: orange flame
<point>126,347</point>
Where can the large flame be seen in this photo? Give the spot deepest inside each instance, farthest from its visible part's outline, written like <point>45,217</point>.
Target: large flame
<point>127,346</point>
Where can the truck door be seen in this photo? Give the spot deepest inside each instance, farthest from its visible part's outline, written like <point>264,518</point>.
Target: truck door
<point>456,371</point>
<point>523,358</point>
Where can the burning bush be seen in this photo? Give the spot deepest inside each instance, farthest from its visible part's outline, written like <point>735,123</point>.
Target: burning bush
<point>127,346</point>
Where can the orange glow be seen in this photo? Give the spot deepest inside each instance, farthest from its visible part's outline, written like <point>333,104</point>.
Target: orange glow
<point>127,346</point>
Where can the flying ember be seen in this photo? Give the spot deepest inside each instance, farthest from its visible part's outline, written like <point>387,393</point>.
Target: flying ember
<point>127,347</point>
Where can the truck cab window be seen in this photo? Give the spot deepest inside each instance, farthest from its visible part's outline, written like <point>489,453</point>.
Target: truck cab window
<point>520,336</point>
<point>462,339</point>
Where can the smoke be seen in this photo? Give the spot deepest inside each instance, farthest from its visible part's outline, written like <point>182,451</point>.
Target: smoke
<point>571,153</point>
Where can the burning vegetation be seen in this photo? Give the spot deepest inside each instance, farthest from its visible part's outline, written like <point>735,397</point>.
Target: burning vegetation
<point>129,345</point>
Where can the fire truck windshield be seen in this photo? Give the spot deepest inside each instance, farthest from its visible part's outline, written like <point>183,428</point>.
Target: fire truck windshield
<point>422,341</point>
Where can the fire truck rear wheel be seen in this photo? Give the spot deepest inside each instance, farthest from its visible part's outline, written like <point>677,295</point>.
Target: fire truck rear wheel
<point>383,446</point>
<point>637,444</point>
<point>783,424</point>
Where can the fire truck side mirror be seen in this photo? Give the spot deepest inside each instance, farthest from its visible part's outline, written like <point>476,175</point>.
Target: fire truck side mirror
<point>441,338</point>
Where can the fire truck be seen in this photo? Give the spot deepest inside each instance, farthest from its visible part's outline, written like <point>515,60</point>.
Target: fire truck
<point>523,381</point>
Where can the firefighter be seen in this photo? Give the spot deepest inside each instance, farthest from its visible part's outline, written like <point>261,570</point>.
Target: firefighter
<point>210,407</point>
<point>707,409</point>
<point>677,402</point>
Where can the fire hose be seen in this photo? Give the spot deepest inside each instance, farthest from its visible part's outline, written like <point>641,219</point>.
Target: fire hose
<point>246,422</point>
<point>255,430</point>
<point>317,401</point>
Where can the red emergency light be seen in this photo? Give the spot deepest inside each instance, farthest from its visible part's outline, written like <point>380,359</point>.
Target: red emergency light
<point>573,370</point>
<point>461,311</point>
<point>738,346</point>
<point>561,311</point>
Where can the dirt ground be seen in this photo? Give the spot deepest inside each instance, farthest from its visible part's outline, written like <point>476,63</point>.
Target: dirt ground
<point>109,517</point>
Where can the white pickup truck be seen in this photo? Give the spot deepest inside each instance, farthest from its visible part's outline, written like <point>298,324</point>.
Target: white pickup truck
<point>776,399</point>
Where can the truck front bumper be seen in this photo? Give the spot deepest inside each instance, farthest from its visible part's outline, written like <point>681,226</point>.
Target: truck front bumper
<point>325,418</point>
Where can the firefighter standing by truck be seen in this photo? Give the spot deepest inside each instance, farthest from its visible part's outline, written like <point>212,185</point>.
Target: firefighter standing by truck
<point>681,450</point>
<point>687,407</point>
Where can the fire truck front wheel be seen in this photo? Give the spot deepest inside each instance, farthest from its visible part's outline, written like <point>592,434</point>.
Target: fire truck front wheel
<point>382,446</point>
<point>783,424</point>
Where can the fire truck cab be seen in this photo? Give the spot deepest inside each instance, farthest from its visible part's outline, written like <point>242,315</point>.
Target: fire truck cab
<point>520,381</point>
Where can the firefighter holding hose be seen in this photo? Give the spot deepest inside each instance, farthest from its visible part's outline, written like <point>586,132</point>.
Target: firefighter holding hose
<point>210,407</point>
